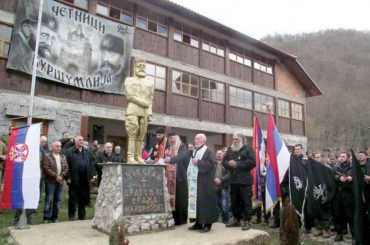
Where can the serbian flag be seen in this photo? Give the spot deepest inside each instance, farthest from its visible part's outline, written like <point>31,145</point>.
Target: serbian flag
<point>22,169</point>
<point>279,158</point>
<point>260,149</point>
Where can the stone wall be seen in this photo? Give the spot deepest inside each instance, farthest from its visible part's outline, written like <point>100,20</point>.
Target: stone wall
<point>109,206</point>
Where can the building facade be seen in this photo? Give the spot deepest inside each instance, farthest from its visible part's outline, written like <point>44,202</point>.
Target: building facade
<point>208,78</point>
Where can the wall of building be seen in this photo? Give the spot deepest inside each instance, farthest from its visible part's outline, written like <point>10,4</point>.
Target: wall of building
<point>287,83</point>
<point>170,109</point>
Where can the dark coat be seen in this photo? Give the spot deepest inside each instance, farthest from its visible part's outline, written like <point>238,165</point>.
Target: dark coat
<point>182,162</point>
<point>119,157</point>
<point>342,169</point>
<point>49,165</point>
<point>73,157</point>
<point>246,161</point>
<point>66,145</point>
<point>225,178</point>
<point>206,195</point>
<point>103,158</point>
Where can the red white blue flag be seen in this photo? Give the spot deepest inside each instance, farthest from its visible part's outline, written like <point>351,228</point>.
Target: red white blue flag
<point>22,169</point>
<point>279,157</point>
<point>260,149</point>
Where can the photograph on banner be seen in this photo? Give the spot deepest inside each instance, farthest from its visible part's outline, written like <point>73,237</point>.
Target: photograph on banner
<point>75,48</point>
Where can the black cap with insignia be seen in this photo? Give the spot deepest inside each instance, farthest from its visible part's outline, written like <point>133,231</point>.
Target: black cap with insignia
<point>112,43</point>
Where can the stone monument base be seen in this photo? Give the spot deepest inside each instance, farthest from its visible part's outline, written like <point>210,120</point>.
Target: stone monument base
<point>133,194</point>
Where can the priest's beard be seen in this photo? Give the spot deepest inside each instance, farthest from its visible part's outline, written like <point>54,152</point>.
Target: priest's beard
<point>236,147</point>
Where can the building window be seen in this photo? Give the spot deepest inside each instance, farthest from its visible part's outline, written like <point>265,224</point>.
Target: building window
<point>5,36</point>
<point>213,48</point>
<point>284,108</point>
<point>263,103</point>
<point>114,10</point>
<point>147,24</point>
<point>240,98</point>
<point>184,83</point>
<point>263,64</point>
<point>186,35</point>
<point>157,74</point>
<point>297,111</point>
<point>240,58</point>
<point>79,3</point>
<point>213,45</point>
<point>213,91</point>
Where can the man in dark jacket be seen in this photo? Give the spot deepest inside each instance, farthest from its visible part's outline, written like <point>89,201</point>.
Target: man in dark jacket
<point>343,208</point>
<point>118,154</point>
<point>178,158</point>
<point>222,189</point>
<point>239,160</point>
<point>44,149</point>
<point>55,169</point>
<point>202,204</point>
<point>105,156</point>
<point>67,142</point>
<point>79,177</point>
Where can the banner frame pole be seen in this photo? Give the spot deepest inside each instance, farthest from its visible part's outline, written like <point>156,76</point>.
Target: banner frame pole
<point>34,66</point>
<point>22,223</point>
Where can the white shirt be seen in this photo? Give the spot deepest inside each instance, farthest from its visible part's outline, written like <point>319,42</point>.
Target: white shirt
<point>59,164</point>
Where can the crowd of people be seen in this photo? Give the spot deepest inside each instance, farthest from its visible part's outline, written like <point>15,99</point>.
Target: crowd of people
<point>204,187</point>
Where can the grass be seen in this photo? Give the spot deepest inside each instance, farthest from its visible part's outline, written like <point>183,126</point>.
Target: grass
<point>7,220</point>
<point>7,216</point>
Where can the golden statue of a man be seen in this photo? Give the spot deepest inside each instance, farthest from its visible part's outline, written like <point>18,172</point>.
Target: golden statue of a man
<point>139,93</point>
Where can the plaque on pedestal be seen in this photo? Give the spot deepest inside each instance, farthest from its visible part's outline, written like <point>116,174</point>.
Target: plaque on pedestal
<point>135,194</point>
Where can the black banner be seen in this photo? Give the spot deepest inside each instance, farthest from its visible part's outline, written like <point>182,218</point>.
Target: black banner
<point>320,189</point>
<point>75,48</point>
<point>297,181</point>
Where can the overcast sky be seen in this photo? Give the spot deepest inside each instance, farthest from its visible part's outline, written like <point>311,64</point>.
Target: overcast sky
<point>258,18</point>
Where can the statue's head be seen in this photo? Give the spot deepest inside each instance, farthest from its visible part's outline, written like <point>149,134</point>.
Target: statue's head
<point>140,68</point>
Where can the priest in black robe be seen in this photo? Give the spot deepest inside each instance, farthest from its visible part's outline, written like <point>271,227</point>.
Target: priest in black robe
<point>202,206</point>
<point>178,155</point>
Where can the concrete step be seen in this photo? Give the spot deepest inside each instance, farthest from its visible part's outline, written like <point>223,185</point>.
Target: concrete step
<point>80,232</point>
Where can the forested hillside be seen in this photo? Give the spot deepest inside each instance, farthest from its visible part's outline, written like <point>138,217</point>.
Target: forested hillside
<point>339,62</point>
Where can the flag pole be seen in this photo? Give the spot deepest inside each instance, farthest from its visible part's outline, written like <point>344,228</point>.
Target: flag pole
<point>33,83</point>
<point>22,223</point>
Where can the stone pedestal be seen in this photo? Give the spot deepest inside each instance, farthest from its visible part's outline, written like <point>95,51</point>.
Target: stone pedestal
<point>135,194</point>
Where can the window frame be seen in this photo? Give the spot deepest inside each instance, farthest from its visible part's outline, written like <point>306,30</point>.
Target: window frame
<point>280,109</point>
<point>74,5</point>
<point>245,91</point>
<point>244,57</point>
<point>173,82</point>
<point>122,11</point>
<point>147,25</point>
<point>264,67</point>
<point>157,77</point>
<point>209,90</point>
<point>272,109</point>
<point>182,33</point>
<point>301,112</point>
<point>210,45</point>
<point>3,41</point>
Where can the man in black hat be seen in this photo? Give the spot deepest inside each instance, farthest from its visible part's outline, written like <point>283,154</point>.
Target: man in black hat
<point>158,151</point>
<point>23,45</point>
<point>112,60</point>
